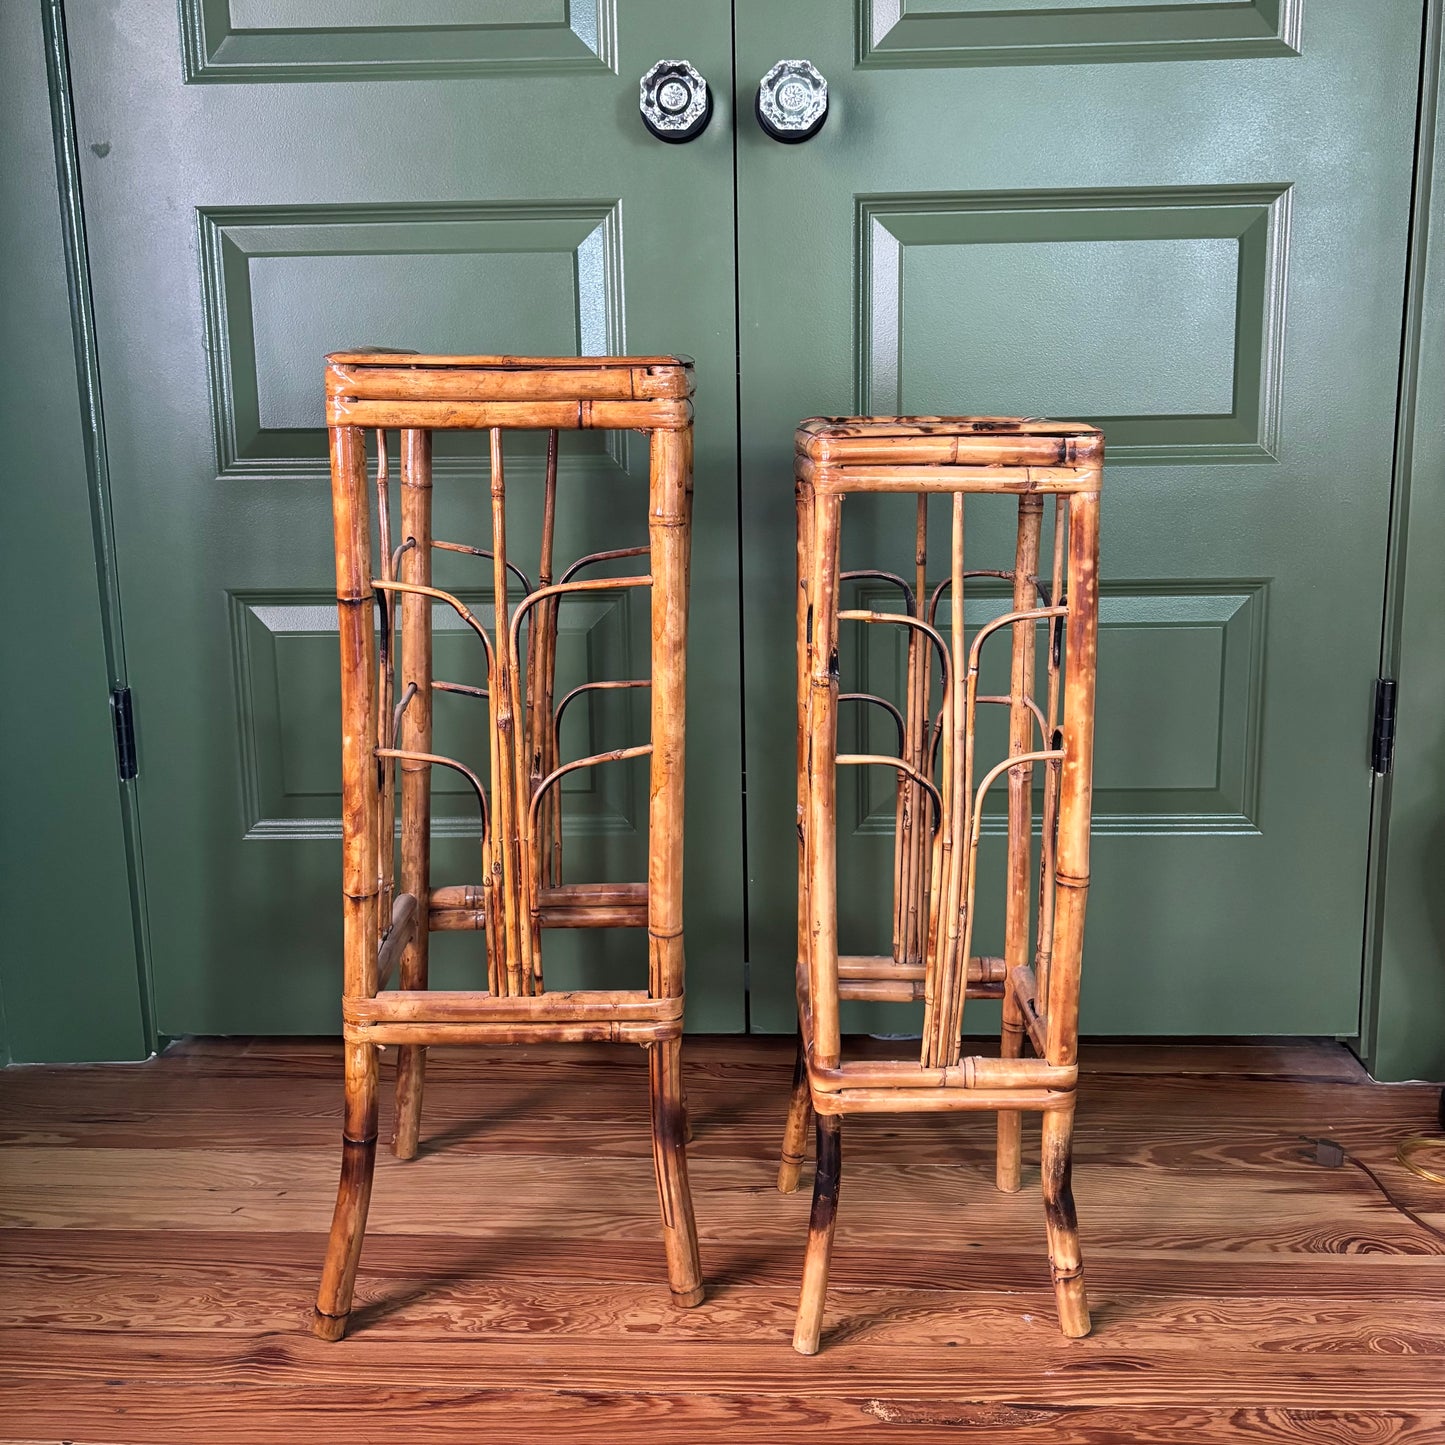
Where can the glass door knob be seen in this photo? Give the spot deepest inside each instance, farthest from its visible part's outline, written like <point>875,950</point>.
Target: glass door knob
<point>675,102</point>
<point>792,101</point>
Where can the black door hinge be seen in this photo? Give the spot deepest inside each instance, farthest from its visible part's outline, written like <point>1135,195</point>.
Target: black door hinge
<point>1382,737</point>
<point>124,719</point>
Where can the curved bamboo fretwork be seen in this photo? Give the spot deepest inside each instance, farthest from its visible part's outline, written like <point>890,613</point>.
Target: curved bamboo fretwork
<point>890,708</point>
<point>593,559</point>
<point>461,547</point>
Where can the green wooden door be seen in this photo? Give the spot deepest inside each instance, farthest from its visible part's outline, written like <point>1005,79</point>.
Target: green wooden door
<point>1187,223</point>
<point>269,180</point>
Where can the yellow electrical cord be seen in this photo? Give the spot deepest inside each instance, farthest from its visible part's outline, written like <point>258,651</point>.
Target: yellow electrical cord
<point>1419,1144</point>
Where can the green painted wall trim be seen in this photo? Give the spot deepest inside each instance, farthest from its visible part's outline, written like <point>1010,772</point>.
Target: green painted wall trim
<point>1403,1034</point>
<point>68,972</point>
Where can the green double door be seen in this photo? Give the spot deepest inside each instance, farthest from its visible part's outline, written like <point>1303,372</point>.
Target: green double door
<point>1185,221</point>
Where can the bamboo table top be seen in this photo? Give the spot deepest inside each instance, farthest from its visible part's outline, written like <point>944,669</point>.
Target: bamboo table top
<point>933,453</point>
<point>379,376</point>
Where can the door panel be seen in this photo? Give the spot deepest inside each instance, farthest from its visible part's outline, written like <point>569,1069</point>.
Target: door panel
<point>268,181</point>
<point>1203,253</point>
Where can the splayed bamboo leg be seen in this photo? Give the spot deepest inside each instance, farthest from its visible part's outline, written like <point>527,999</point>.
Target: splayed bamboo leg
<point>360,812</point>
<point>1072,881</point>
<point>353,1195</point>
<point>415,736</point>
<point>795,1134</point>
<point>1065,1262</point>
<point>669,516</point>
<point>809,1328</point>
<point>669,1153</point>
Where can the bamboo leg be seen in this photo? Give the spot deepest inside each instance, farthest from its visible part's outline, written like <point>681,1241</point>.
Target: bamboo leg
<point>1072,884</point>
<point>1065,1262</point>
<point>795,1132</point>
<point>353,1195</point>
<point>360,820</point>
<point>809,1328</point>
<point>669,1152</point>
<point>668,537</point>
<point>1008,1162</point>
<point>416,736</point>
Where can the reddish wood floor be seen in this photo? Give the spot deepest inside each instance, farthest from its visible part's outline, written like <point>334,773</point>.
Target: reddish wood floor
<point>161,1226</point>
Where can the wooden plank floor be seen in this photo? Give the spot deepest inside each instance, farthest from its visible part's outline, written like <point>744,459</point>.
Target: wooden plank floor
<point>161,1227</point>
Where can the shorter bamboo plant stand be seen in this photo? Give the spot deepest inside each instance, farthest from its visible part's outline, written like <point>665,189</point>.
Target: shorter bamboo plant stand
<point>385,599</point>
<point>941,788</point>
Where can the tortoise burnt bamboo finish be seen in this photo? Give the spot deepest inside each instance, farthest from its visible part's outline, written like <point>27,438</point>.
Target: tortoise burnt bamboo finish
<point>385,600</point>
<point>942,785</point>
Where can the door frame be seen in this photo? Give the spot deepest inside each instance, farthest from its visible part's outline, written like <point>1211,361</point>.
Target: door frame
<point>1403,1001</point>
<point>73,978</point>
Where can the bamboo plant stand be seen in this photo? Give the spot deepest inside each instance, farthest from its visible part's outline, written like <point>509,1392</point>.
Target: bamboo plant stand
<point>941,787</point>
<point>385,599</point>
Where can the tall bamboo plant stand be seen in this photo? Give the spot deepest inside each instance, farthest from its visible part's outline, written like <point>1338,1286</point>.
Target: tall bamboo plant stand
<point>385,600</point>
<point>1051,615</point>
